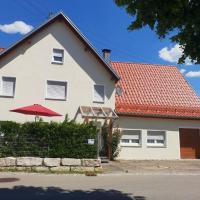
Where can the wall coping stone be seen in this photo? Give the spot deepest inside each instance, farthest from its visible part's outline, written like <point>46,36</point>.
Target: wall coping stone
<point>28,161</point>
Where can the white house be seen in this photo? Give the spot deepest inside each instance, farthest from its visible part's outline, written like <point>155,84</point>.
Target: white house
<point>56,66</point>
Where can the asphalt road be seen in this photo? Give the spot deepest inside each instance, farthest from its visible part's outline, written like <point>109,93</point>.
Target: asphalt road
<point>104,187</point>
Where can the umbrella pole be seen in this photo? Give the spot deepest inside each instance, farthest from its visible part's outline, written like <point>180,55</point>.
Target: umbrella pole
<point>36,117</point>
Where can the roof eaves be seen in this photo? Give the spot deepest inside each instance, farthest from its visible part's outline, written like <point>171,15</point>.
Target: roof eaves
<point>157,116</point>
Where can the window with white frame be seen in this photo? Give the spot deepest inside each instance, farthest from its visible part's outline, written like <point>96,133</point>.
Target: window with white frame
<point>99,94</point>
<point>156,138</point>
<point>56,90</point>
<point>130,137</point>
<point>58,56</point>
<point>7,88</point>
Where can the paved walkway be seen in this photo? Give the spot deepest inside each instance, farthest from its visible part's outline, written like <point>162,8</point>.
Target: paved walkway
<point>153,167</point>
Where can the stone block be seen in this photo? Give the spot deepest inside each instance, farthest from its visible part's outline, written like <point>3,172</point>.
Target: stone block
<point>60,169</point>
<point>98,169</point>
<point>7,162</point>
<point>29,161</point>
<point>52,162</point>
<point>23,169</point>
<point>91,162</point>
<point>82,169</point>
<point>8,169</point>
<point>40,169</point>
<point>70,162</point>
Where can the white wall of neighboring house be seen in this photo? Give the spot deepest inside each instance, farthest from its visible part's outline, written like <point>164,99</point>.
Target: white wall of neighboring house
<point>143,152</point>
<point>31,65</point>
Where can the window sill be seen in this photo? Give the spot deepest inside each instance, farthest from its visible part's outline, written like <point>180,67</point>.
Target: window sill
<point>101,102</point>
<point>57,63</point>
<point>130,145</point>
<point>51,99</point>
<point>4,96</point>
<point>156,146</point>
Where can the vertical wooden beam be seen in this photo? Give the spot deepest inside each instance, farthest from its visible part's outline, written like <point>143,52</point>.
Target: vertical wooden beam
<point>86,120</point>
<point>110,140</point>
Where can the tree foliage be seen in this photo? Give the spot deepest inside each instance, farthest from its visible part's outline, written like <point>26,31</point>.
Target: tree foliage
<point>180,18</point>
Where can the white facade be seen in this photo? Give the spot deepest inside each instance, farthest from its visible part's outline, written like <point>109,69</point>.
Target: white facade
<point>32,65</point>
<point>171,148</point>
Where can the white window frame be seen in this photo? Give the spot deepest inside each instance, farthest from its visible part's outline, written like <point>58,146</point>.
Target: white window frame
<point>54,61</point>
<point>1,87</point>
<point>57,99</point>
<point>95,101</point>
<point>130,144</point>
<point>156,144</point>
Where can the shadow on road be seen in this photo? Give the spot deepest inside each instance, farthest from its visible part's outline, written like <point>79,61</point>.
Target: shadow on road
<point>54,193</point>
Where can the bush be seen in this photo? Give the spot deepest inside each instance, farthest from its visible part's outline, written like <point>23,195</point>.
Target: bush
<point>67,139</point>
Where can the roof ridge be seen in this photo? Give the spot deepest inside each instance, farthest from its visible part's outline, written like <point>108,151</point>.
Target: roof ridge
<point>130,62</point>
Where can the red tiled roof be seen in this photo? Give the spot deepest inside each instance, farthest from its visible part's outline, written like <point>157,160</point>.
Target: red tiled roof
<point>156,91</point>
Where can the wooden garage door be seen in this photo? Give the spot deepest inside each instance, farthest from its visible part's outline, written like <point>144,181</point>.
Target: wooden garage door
<point>189,143</point>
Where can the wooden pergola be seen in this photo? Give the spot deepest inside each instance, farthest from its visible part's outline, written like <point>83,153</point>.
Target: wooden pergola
<point>103,113</point>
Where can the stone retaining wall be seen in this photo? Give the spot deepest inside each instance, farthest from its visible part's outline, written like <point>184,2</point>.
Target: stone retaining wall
<point>50,164</point>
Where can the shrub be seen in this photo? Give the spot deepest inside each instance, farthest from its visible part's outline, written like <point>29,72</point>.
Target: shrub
<point>67,139</point>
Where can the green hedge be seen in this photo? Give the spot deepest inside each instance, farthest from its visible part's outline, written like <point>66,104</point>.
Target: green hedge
<point>43,139</point>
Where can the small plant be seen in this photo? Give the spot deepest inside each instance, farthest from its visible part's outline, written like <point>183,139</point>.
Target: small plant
<point>116,136</point>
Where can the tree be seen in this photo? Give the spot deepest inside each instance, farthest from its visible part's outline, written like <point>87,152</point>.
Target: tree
<point>179,18</point>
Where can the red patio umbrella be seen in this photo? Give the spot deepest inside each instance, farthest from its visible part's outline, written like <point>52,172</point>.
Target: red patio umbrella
<point>37,110</point>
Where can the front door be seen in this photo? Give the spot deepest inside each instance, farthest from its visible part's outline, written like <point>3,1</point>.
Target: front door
<point>189,143</point>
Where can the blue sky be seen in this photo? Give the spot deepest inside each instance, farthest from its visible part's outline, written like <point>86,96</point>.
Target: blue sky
<point>104,24</point>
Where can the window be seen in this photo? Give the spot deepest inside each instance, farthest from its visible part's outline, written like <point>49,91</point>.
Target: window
<point>99,94</point>
<point>58,56</point>
<point>56,90</point>
<point>156,138</point>
<point>131,138</point>
<point>8,86</point>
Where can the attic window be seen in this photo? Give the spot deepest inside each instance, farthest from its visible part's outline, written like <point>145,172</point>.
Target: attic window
<point>7,88</point>
<point>58,56</point>
<point>99,94</point>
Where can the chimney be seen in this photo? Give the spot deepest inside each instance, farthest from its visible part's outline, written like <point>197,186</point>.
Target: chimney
<point>106,54</point>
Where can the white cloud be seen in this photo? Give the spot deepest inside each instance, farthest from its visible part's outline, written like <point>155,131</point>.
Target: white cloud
<point>193,74</point>
<point>182,71</point>
<point>173,54</point>
<point>16,27</point>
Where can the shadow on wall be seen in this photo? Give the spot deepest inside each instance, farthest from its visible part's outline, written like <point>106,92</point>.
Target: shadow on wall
<point>54,193</point>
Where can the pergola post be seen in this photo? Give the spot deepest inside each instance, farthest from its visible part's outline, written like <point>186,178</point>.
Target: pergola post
<point>110,140</point>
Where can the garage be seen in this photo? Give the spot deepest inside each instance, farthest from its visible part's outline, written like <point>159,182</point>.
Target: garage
<point>189,143</point>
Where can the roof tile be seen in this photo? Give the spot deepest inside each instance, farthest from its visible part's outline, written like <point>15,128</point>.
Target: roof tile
<point>155,90</point>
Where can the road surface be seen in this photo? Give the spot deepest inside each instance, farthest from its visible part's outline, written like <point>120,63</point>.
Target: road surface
<point>23,186</point>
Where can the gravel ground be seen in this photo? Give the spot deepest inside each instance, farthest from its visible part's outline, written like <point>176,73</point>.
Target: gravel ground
<point>153,167</point>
